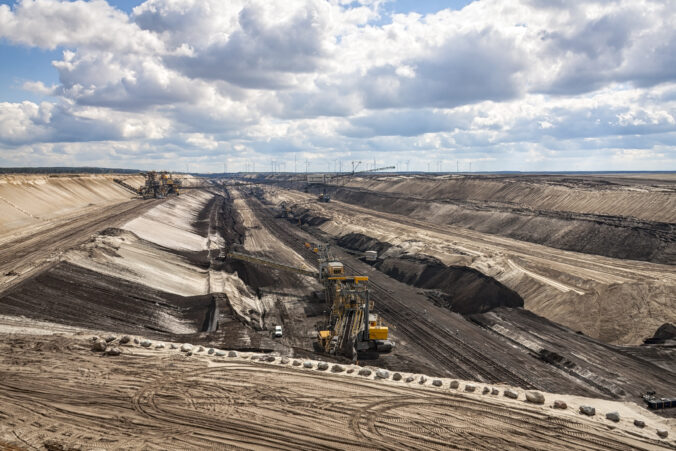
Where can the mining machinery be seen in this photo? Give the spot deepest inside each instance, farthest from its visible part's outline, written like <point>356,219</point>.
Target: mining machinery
<point>323,197</point>
<point>351,327</point>
<point>160,185</point>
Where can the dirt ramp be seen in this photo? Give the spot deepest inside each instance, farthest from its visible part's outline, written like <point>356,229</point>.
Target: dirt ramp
<point>459,288</point>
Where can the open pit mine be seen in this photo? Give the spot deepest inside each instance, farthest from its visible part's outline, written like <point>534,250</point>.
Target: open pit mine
<point>337,311</point>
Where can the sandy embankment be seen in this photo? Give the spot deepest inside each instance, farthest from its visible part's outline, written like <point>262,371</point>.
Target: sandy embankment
<point>617,301</point>
<point>163,250</point>
<point>173,400</point>
<point>30,202</point>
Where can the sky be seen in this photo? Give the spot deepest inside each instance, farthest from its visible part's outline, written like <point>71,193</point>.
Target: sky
<point>208,85</point>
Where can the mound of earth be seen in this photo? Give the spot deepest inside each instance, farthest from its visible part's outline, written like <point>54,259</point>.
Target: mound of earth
<point>459,288</point>
<point>664,333</point>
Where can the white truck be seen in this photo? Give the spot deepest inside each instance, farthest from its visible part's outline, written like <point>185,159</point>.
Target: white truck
<point>278,332</point>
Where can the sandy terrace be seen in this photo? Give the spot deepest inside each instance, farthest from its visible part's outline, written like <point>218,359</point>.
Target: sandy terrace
<point>578,290</point>
<point>156,398</point>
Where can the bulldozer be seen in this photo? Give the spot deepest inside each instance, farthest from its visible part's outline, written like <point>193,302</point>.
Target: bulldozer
<point>351,327</point>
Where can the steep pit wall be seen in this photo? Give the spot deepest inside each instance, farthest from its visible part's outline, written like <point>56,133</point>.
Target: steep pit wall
<point>460,289</point>
<point>603,217</point>
<point>31,200</point>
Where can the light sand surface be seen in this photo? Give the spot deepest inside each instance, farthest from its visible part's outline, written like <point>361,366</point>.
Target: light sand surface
<point>170,224</point>
<point>161,399</point>
<point>130,258</point>
<point>29,200</point>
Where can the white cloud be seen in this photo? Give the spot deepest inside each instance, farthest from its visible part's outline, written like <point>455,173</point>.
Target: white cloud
<point>492,81</point>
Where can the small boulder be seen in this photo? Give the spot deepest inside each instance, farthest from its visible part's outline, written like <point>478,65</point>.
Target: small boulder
<point>125,339</point>
<point>146,343</point>
<point>613,416</point>
<point>219,353</point>
<point>232,354</point>
<point>110,338</point>
<point>382,374</point>
<point>189,353</point>
<point>396,377</point>
<point>511,394</point>
<point>210,351</point>
<point>186,347</point>
<point>350,370</point>
<point>136,341</point>
<point>95,338</point>
<point>364,372</point>
<point>455,384</point>
<point>200,349</point>
<point>337,368</point>
<point>639,423</point>
<point>322,366</point>
<point>587,410</point>
<point>663,433</point>
<point>535,397</point>
<point>113,351</point>
<point>270,358</point>
<point>173,346</point>
<point>485,390</point>
<point>470,387</point>
<point>159,346</point>
<point>295,362</point>
<point>422,380</point>
<point>307,364</point>
<point>409,379</point>
<point>99,346</point>
<point>437,383</point>
<point>495,391</point>
<point>285,361</point>
<point>558,404</point>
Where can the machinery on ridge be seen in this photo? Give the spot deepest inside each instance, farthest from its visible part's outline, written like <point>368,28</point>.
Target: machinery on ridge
<point>351,327</point>
<point>160,185</point>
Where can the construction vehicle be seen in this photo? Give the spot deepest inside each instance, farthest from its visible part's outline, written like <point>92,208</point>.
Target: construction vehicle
<point>285,210</point>
<point>655,403</point>
<point>160,185</point>
<point>323,197</point>
<point>351,327</point>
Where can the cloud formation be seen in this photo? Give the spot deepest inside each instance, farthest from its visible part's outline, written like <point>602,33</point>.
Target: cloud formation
<point>527,85</point>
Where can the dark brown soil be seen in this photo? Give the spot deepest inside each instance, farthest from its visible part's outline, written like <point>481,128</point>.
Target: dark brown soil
<point>581,232</point>
<point>76,296</point>
<point>461,289</point>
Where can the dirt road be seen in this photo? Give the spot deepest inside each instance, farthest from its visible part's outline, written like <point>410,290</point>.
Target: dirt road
<point>163,399</point>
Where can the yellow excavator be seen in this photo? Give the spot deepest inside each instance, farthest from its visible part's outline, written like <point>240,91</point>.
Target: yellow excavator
<point>352,327</point>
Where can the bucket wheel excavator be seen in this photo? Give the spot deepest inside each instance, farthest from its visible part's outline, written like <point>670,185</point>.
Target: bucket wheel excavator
<point>352,326</point>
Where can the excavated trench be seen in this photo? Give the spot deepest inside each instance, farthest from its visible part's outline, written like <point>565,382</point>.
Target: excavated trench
<point>597,234</point>
<point>459,288</point>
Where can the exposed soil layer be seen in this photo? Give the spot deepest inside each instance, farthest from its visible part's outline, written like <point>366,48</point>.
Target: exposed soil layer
<point>666,332</point>
<point>56,394</point>
<point>617,372</point>
<point>592,216</point>
<point>461,289</point>
<point>76,296</point>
